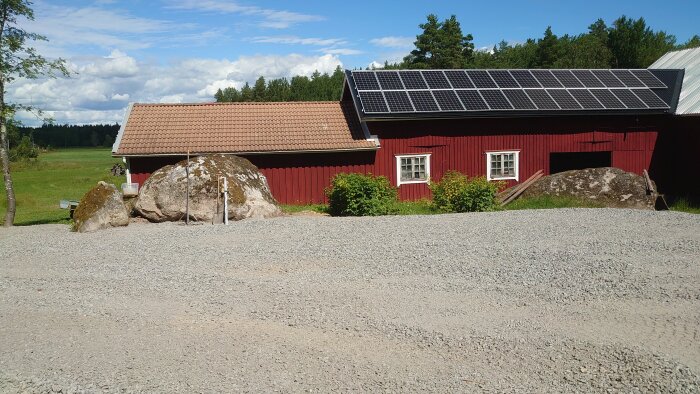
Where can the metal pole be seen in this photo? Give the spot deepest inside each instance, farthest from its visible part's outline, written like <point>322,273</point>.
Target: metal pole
<point>187,203</point>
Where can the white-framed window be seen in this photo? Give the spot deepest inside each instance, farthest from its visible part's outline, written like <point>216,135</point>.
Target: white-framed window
<point>502,165</point>
<point>412,169</point>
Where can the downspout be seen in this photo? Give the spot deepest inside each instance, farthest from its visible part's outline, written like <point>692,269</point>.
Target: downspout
<point>127,164</point>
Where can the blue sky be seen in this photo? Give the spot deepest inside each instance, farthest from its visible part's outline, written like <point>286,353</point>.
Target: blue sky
<point>183,50</point>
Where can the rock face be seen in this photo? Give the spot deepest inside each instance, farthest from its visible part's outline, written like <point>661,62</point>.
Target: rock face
<point>163,196</point>
<point>101,207</point>
<point>611,187</point>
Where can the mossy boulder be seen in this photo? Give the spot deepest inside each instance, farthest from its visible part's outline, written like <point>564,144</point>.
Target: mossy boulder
<point>607,186</point>
<point>163,197</point>
<point>101,207</point>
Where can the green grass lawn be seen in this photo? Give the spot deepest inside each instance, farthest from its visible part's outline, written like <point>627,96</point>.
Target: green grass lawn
<point>62,174</point>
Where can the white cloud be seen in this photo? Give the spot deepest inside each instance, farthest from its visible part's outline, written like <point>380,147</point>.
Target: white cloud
<point>277,19</point>
<point>100,91</point>
<point>393,42</point>
<point>341,51</point>
<point>298,40</point>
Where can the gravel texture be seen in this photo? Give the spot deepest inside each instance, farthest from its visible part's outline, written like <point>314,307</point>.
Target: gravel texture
<point>521,301</point>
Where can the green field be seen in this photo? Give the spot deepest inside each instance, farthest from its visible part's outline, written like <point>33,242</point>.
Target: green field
<point>62,174</point>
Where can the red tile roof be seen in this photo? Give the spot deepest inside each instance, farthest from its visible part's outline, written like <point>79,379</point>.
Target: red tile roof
<point>152,129</point>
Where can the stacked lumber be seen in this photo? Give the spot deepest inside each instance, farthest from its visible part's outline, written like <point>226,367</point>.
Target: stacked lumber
<point>511,194</point>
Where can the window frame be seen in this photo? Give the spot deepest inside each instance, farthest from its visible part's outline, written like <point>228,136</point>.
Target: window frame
<point>399,182</point>
<point>516,165</point>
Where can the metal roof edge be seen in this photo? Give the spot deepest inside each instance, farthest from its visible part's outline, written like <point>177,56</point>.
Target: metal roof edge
<point>120,133</point>
<point>372,148</point>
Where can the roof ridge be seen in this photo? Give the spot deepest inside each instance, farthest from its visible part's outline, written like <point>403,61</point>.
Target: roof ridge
<point>261,103</point>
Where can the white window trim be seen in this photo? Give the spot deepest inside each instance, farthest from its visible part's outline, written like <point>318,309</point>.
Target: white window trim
<point>398,169</point>
<point>516,159</point>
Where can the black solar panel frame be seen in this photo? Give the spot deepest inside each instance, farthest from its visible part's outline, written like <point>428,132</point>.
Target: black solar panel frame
<point>420,98</point>
<point>459,79</point>
<point>651,99</point>
<point>481,79</point>
<point>398,101</point>
<point>472,100</point>
<point>389,80</point>
<point>567,78</point>
<point>609,100</point>
<point>496,99</point>
<point>586,99</point>
<point>503,79</point>
<point>546,79</point>
<point>525,79</point>
<point>628,78</point>
<point>448,100</point>
<point>370,83</point>
<point>564,99</point>
<point>413,80</point>
<point>649,79</point>
<point>628,98</point>
<point>518,99</point>
<point>588,79</point>
<point>608,78</point>
<point>542,99</point>
<point>371,99</point>
<point>436,79</point>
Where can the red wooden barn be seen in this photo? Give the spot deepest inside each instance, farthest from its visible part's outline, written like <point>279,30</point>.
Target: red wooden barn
<point>411,126</point>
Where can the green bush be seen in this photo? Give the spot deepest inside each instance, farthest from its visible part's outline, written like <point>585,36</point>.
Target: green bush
<point>24,150</point>
<point>361,195</point>
<point>457,193</point>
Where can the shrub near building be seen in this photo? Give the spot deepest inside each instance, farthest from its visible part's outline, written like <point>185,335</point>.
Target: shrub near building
<point>457,193</point>
<point>361,195</point>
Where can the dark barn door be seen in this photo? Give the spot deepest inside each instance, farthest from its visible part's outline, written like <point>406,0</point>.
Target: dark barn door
<point>565,161</point>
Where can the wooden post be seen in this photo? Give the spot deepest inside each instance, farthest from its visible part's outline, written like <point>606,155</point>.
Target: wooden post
<point>187,203</point>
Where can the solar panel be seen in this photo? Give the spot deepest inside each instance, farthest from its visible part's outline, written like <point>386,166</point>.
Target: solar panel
<point>495,99</point>
<point>412,80</point>
<point>472,100</point>
<point>648,78</point>
<point>628,79</point>
<point>587,78</point>
<point>481,79</point>
<point>563,99</point>
<point>650,98</point>
<point>398,101</point>
<point>365,80</point>
<point>541,99</point>
<point>459,79</point>
<point>423,101</point>
<point>567,79</point>
<point>546,78</point>
<point>436,79</point>
<point>373,102</point>
<point>628,98</point>
<point>586,99</point>
<point>608,99</point>
<point>608,78</point>
<point>525,78</point>
<point>447,100</point>
<point>503,79</point>
<point>519,99</point>
<point>389,80</point>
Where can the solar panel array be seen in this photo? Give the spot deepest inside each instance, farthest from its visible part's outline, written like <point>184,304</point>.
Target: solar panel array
<point>415,91</point>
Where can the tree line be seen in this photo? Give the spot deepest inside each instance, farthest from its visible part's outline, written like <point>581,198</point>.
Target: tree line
<point>63,136</point>
<point>627,43</point>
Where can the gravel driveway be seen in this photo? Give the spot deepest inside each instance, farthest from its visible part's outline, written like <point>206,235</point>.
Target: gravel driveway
<point>555,300</point>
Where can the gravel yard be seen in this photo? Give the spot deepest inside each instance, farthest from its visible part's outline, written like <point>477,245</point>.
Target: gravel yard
<point>549,300</point>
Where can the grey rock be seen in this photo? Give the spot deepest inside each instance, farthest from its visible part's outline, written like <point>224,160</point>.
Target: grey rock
<point>607,186</point>
<point>102,207</point>
<point>163,197</point>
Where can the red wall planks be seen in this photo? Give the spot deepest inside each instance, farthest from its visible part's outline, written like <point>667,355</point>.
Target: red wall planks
<point>454,145</point>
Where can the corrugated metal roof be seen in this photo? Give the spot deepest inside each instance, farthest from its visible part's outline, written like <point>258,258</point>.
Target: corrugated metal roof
<point>688,59</point>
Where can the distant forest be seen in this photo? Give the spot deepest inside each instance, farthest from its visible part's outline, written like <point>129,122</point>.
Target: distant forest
<point>627,43</point>
<point>65,136</point>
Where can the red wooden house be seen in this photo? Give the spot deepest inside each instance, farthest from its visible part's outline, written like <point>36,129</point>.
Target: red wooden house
<point>411,126</point>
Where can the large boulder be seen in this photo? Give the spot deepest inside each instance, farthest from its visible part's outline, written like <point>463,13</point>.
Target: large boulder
<point>163,196</point>
<point>101,207</point>
<point>608,186</point>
